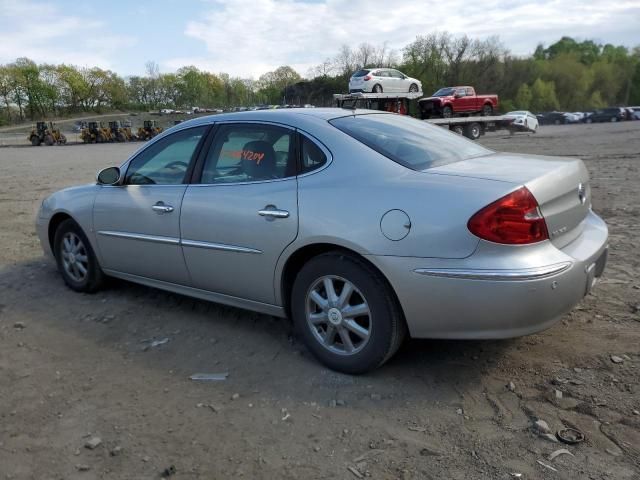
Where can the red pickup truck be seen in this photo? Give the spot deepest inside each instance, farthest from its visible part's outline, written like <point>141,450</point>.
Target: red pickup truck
<point>450,101</point>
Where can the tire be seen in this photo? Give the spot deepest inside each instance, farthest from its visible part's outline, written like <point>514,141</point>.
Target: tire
<point>413,88</point>
<point>70,235</point>
<point>588,120</point>
<point>473,131</point>
<point>447,112</point>
<point>63,140</point>
<point>382,329</point>
<point>556,122</point>
<point>121,138</point>
<point>458,129</point>
<point>35,141</point>
<point>487,110</point>
<point>614,119</point>
<point>48,140</point>
<point>377,88</point>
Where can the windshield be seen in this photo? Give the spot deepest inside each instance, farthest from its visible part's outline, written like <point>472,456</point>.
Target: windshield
<point>444,92</point>
<point>412,143</point>
<point>360,73</point>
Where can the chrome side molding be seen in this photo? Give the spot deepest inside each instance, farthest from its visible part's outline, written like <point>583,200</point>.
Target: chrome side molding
<point>177,241</point>
<point>140,236</point>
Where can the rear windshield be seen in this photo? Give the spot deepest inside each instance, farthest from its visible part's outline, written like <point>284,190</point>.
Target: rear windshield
<point>413,143</point>
<point>361,73</point>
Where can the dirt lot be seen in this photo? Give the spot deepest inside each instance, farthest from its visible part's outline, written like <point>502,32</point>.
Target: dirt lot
<point>74,367</point>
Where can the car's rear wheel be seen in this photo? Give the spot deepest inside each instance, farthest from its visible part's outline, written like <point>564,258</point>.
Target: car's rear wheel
<point>346,313</point>
<point>35,141</point>
<point>413,88</point>
<point>377,88</point>
<point>487,110</point>
<point>76,259</point>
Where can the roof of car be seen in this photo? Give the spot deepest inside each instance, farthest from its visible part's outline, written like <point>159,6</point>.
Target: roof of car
<point>280,115</point>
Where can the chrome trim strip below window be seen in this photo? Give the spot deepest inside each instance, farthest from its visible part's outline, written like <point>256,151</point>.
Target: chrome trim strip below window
<point>515,275</point>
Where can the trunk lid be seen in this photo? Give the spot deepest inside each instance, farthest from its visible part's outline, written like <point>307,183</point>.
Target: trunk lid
<point>559,184</point>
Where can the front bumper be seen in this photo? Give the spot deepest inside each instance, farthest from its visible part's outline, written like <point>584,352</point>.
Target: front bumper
<point>431,108</point>
<point>498,292</point>
<point>42,230</point>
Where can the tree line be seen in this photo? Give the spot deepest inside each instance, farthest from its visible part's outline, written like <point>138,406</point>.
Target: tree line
<point>568,75</point>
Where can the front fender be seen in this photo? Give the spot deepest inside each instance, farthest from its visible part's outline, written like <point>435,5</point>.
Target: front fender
<point>75,202</point>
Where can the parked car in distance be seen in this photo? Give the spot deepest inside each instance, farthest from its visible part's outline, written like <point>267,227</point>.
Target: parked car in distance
<point>629,113</point>
<point>450,101</point>
<point>439,237</point>
<point>383,80</point>
<point>636,113</point>
<point>552,118</point>
<point>523,120</point>
<point>610,114</point>
<point>572,117</point>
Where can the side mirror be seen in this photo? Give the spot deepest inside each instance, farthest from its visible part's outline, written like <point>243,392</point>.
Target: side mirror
<point>108,176</point>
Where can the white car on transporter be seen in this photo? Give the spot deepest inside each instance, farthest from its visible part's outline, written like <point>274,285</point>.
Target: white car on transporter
<point>524,120</point>
<point>382,80</point>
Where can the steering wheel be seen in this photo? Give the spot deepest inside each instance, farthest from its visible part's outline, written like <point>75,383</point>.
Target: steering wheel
<point>177,164</point>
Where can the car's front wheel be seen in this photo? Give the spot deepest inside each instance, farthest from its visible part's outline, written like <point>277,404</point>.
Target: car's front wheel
<point>346,313</point>
<point>76,259</point>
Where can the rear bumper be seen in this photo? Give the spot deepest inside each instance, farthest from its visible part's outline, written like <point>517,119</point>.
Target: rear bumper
<point>498,292</point>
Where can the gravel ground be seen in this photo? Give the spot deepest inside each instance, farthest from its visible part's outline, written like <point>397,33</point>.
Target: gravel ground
<point>78,371</point>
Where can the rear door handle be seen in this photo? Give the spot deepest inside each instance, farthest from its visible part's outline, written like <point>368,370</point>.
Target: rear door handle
<point>273,213</point>
<point>160,207</point>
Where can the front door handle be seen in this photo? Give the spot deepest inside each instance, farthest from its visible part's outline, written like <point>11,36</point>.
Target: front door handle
<point>273,212</point>
<point>160,207</point>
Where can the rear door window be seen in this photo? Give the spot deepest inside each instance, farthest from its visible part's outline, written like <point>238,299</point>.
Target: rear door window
<point>407,141</point>
<point>247,152</point>
<point>361,73</point>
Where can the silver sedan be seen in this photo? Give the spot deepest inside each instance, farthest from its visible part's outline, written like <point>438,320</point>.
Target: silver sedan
<point>360,226</point>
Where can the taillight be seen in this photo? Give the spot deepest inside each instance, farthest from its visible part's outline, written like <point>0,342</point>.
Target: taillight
<point>514,219</point>
<point>368,77</point>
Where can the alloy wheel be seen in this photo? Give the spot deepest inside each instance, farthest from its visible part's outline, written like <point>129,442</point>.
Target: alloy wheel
<point>75,260</point>
<point>338,315</point>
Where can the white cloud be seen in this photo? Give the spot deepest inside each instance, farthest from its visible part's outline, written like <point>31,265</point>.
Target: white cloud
<point>54,36</point>
<point>249,37</point>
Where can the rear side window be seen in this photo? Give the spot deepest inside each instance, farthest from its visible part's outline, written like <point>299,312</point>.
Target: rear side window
<point>407,141</point>
<point>312,156</point>
<point>361,73</point>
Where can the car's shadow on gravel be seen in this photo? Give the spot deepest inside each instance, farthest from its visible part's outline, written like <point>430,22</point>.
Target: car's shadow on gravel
<point>169,332</point>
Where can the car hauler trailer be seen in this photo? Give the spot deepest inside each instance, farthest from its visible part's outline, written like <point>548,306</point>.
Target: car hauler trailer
<point>470,127</point>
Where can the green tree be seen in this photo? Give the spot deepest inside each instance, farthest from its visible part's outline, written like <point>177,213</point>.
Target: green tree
<point>523,97</point>
<point>543,96</point>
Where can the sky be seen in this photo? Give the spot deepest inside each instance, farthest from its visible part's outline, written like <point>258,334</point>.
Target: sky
<point>247,38</point>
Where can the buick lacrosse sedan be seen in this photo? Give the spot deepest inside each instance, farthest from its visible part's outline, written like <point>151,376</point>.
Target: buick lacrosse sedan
<point>360,226</point>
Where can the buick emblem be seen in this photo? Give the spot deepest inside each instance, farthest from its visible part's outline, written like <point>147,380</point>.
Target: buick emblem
<point>582,193</point>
